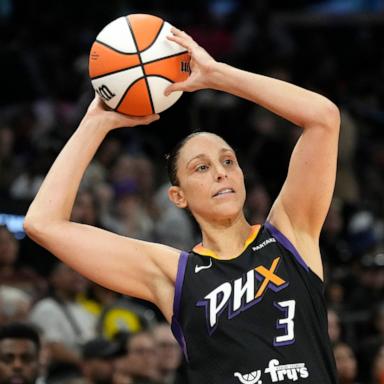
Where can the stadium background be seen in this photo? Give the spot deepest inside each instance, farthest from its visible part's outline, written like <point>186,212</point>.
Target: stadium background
<point>333,47</point>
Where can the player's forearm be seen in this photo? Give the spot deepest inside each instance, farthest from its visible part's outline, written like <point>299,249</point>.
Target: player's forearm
<point>298,105</point>
<point>57,194</point>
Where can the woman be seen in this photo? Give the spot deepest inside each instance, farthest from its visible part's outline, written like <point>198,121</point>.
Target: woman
<point>247,304</point>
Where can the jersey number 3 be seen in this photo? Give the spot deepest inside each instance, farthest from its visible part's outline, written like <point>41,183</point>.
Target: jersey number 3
<point>286,323</point>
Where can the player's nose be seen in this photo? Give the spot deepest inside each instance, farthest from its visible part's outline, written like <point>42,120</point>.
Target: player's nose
<point>220,172</point>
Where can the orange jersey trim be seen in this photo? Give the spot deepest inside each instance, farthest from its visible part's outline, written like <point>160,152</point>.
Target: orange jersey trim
<point>201,250</point>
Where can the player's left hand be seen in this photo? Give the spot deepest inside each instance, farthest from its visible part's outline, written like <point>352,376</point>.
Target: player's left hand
<point>201,64</point>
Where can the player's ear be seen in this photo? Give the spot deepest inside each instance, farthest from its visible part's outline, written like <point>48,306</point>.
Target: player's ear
<point>177,197</point>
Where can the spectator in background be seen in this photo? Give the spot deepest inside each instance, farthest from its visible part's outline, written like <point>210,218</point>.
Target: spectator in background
<point>346,363</point>
<point>169,353</point>
<point>334,328</point>
<point>14,275</point>
<point>132,210</point>
<point>15,305</point>
<point>334,248</point>
<point>335,295</point>
<point>6,158</point>
<point>97,298</point>
<point>370,345</point>
<point>64,373</point>
<point>377,368</point>
<point>141,361</point>
<point>85,209</point>
<point>145,178</point>
<point>122,373</point>
<point>65,324</point>
<point>347,187</point>
<point>19,354</point>
<point>98,358</point>
<point>258,203</point>
<point>126,315</point>
<point>172,217</point>
<point>369,284</point>
<point>129,217</point>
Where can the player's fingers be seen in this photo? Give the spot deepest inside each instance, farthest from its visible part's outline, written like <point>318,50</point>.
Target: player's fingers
<point>180,86</point>
<point>144,120</point>
<point>180,33</point>
<point>132,121</point>
<point>180,41</point>
<point>152,118</point>
<point>183,37</point>
<point>190,46</point>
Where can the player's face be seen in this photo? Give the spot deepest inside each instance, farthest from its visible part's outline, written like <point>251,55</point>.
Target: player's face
<point>211,181</point>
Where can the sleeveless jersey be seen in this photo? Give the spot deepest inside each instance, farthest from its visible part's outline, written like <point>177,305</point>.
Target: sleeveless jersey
<point>255,319</point>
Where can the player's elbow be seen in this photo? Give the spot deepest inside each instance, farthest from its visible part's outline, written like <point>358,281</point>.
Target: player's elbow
<point>30,226</point>
<point>328,116</point>
<point>34,226</point>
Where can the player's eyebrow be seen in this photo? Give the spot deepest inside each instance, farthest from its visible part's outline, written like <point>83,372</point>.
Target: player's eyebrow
<point>203,155</point>
<point>199,156</point>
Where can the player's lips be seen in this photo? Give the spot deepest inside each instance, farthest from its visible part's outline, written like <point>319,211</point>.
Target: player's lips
<point>224,191</point>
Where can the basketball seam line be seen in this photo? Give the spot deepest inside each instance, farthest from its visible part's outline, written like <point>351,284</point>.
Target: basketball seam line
<point>137,50</point>
<point>115,49</point>
<point>139,65</point>
<point>126,91</point>
<point>165,57</point>
<point>135,53</point>
<point>154,40</point>
<point>140,78</point>
<point>162,77</point>
<point>142,67</point>
<point>117,71</point>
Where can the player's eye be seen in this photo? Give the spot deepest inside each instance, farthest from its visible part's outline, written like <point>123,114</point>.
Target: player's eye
<point>202,168</point>
<point>228,162</point>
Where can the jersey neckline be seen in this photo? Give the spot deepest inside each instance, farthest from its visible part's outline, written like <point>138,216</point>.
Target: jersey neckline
<point>202,251</point>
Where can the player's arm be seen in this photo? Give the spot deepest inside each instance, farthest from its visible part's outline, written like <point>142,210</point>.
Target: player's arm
<point>302,205</point>
<point>126,265</point>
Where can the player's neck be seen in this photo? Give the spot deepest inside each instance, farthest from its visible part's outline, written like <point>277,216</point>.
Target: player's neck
<point>226,240</point>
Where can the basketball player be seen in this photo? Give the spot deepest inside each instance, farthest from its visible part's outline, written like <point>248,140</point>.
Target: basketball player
<point>247,304</point>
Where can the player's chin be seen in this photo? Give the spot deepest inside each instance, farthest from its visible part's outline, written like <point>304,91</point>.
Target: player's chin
<point>227,210</point>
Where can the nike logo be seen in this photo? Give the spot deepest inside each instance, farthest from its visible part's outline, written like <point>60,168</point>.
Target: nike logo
<point>201,267</point>
<point>249,378</point>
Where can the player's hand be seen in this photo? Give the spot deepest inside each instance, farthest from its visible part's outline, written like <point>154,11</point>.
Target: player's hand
<point>201,64</point>
<point>111,119</point>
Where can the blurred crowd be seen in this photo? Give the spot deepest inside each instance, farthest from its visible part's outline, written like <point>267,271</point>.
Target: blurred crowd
<point>57,327</point>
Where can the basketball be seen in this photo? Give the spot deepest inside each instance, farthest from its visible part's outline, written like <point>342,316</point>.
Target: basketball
<point>132,62</point>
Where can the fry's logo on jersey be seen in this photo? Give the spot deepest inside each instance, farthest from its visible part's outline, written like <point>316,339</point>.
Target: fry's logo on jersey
<point>241,293</point>
<point>289,371</point>
<point>277,372</point>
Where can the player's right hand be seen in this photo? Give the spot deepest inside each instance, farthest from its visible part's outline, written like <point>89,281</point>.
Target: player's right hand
<point>111,119</point>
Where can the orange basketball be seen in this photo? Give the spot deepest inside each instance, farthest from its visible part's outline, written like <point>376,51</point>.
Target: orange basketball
<point>132,62</point>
